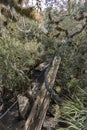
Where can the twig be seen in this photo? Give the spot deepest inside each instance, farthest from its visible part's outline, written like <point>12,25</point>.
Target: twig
<point>77,32</point>
<point>4,114</point>
<point>81,17</point>
<point>21,30</point>
<point>54,22</point>
<point>62,30</point>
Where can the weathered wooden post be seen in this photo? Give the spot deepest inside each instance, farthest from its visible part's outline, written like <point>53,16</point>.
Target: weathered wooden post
<point>39,109</point>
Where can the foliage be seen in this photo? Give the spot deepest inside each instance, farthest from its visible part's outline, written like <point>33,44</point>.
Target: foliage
<point>23,45</point>
<point>72,73</point>
<point>74,113</point>
<point>16,60</point>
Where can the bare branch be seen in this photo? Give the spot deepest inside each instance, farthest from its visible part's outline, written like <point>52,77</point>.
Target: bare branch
<point>54,22</point>
<point>77,32</point>
<point>22,30</point>
<point>8,109</point>
<point>80,17</point>
<point>62,30</point>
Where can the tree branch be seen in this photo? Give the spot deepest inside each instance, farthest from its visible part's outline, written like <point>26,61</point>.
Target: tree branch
<point>80,17</point>
<point>77,32</point>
